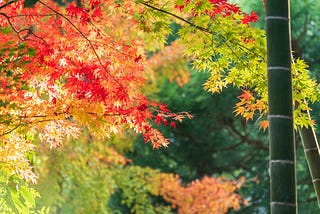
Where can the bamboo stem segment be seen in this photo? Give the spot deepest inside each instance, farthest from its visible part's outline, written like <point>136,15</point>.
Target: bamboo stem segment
<point>311,150</point>
<point>283,197</point>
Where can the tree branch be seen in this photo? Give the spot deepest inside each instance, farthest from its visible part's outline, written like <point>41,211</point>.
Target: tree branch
<point>7,4</point>
<point>177,17</point>
<point>199,28</point>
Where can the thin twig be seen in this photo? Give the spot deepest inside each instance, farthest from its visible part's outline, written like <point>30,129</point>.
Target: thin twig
<point>177,17</point>
<point>18,32</point>
<point>10,130</point>
<point>7,4</point>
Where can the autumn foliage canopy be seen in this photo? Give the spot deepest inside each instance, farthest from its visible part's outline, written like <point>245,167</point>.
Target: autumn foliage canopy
<point>72,65</point>
<point>62,69</point>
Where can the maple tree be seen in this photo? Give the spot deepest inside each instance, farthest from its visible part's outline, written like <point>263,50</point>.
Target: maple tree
<point>75,73</point>
<point>72,74</point>
<point>57,84</point>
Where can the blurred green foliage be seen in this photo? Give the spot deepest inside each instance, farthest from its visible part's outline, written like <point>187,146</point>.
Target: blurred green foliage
<point>214,142</point>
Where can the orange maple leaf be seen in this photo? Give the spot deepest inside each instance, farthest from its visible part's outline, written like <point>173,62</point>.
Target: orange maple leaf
<point>264,125</point>
<point>246,95</point>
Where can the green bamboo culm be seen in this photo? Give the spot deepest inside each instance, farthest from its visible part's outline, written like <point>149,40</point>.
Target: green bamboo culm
<point>283,197</point>
<point>312,153</point>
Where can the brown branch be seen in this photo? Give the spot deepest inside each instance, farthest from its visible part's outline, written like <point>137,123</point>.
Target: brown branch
<point>233,146</point>
<point>65,113</point>
<point>245,137</point>
<point>6,4</point>
<point>199,28</point>
<point>177,17</point>
<point>187,21</point>
<point>39,15</point>
<point>10,130</point>
<point>18,32</point>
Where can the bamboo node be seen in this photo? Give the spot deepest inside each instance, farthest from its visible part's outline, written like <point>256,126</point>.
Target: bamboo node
<point>283,204</point>
<point>279,68</point>
<point>282,161</point>
<point>277,18</point>
<point>311,149</point>
<point>315,180</point>
<point>280,116</point>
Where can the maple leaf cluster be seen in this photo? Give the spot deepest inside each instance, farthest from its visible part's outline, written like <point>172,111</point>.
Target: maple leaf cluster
<point>66,67</point>
<point>249,105</point>
<point>235,54</point>
<point>218,7</point>
<point>82,70</point>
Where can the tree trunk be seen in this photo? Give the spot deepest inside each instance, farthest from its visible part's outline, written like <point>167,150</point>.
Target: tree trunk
<point>283,197</point>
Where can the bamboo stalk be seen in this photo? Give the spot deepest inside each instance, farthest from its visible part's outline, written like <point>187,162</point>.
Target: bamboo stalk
<point>283,197</point>
<point>312,153</point>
